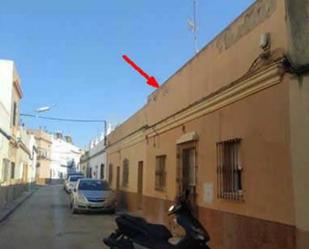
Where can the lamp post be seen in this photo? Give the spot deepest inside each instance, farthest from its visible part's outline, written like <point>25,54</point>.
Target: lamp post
<point>44,108</point>
<point>105,132</point>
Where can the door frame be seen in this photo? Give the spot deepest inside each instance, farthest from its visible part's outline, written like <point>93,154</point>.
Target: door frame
<point>180,183</point>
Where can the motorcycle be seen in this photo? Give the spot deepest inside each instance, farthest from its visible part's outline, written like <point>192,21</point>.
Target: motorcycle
<point>136,233</point>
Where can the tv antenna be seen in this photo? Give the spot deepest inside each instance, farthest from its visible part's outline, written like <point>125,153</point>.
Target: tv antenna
<point>192,23</point>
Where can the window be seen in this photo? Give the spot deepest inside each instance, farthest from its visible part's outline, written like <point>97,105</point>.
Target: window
<point>110,173</point>
<point>42,154</point>
<point>5,169</point>
<point>125,173</point>
<point>229,170</point>
<point>160,174</point>
<point>12,170</point>
<point>102,171</point>
<point>14,113</point>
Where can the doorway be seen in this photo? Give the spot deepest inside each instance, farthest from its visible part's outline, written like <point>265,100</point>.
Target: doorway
<point>102,175</point>
<point>140,185</point>
<point>187,172</point>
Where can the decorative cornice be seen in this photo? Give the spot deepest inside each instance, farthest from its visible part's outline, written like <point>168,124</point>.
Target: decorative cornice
<point>5,134</point>
<point>234,92</point>
<point>24,147</point>
<point>128,141</point>
<point>97,153</point>
<point>18,88</point>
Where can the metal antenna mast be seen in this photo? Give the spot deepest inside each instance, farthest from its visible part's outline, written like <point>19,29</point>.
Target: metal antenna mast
<point>194,27</point>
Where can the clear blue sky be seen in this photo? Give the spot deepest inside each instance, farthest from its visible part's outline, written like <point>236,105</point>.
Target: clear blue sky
<point>68,53</point>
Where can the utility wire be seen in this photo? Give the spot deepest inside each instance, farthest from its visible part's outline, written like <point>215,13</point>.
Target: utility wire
<point>64,119</point>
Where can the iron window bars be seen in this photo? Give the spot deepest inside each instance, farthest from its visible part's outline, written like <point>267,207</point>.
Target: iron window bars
<point>160,173</point>
<point>229,170</point>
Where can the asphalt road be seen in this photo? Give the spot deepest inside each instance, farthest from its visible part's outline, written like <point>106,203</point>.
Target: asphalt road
<point>45,222</point>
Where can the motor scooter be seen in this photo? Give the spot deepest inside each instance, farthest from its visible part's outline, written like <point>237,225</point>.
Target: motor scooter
<point>136,233</point>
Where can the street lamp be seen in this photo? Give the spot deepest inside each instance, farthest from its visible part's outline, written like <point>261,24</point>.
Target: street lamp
<point>44,108</point>
<point>105,132</point>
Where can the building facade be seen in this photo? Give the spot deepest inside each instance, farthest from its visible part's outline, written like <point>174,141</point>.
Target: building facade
<point>229,127</point>
<point>84,162</point>
<point>43,167</point>
<point>97,159</point>
<point>17,147</point>
<point>93,161</point>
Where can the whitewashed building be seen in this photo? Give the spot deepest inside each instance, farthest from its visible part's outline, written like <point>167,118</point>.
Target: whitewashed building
<point>5,108</point>
<point>97,159</point>
<point>65,156</point>
<point>96,156</point>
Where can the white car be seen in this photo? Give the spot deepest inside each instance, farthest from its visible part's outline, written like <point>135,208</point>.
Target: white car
<point>71,182</point>
<point>92,195</point>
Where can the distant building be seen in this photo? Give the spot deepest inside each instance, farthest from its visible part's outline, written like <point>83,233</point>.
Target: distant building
<point>94,158</point>
<point>84,162</point>
<point>65,156</point>
<point>44,143</point>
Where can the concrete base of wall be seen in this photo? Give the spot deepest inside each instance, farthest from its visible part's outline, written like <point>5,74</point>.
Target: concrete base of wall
<point>12,192</point>
<point>226,230</point>
<point>45,181</point>
<point>302,239</point>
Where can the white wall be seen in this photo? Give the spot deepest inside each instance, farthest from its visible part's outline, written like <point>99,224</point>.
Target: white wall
<point>6,79</point>
<point>97,158</point>
<point>6,86</point>
<point>62,153</point>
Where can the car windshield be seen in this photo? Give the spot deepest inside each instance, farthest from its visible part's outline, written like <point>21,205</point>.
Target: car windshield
<point>74,178</point>
<point>74,174</point>
<point>93,185</point>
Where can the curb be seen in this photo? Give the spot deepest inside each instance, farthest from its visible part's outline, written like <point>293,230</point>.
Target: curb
<point>18,202</point>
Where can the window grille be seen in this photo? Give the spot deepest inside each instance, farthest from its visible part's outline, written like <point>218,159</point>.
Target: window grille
<point>5,170</point>
<point>160,173</point>
<point>14,113</point>
<point>12,170</point>
<point>229,170</point>
<point>125,173</point>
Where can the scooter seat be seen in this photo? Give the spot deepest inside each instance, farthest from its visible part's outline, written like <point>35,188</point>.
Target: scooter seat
<point>136,226</point>
<point>133,218</point>
<point>159,231</point>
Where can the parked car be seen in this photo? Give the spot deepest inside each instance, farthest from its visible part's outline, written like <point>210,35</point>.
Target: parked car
<point>65,185</point>
<point>71,182</point>
<point>92,195</point>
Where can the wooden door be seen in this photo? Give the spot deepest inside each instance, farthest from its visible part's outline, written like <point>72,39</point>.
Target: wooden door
<point>118,179</point>
<point>140,184</point>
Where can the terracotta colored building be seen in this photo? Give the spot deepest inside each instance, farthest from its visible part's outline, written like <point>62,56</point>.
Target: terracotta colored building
<point>231,127</point>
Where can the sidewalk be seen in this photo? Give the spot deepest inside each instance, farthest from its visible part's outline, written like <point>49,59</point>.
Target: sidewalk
<point>9,208</point>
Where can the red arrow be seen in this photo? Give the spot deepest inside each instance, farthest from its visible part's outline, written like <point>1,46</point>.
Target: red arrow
<point>150,79</point>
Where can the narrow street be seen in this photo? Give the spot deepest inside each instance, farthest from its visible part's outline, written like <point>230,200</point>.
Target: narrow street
<point>45,222</point>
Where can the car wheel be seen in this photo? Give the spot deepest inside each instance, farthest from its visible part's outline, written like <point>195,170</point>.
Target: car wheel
<point>112,211</point>
<point>73,209</point>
